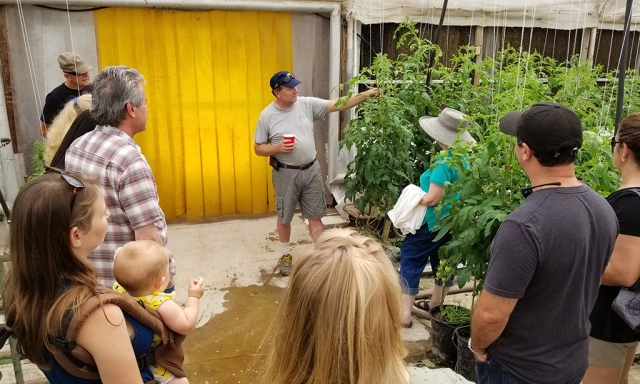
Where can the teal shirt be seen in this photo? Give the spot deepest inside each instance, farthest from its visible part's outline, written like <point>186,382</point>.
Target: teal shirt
<point>440,175</point>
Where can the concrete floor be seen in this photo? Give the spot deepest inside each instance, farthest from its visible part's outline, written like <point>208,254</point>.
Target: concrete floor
<point>238,261</point>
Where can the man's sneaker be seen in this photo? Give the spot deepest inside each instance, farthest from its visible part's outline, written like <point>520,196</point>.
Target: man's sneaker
<point>285,264</point>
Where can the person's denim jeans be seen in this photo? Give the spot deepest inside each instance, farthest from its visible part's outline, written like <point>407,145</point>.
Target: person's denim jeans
<point>492,372</point>
<point>415,252</point>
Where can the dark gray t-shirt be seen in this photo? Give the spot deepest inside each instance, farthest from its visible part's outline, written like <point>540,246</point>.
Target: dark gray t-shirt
<point>274,122</point>
<point>550,254</point>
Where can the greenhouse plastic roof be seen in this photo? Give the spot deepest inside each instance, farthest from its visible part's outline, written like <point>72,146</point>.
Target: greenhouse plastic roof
<point>556,14</point>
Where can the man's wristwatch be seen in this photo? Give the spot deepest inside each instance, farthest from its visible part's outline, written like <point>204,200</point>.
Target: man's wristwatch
<point>477,353</point>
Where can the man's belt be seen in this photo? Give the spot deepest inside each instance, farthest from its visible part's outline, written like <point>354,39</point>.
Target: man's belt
<point>300,167</point>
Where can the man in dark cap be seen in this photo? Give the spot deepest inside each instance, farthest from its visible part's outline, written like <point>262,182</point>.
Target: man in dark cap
<point>77,82</point>
<point>296,173</point>
<point>531,322</point>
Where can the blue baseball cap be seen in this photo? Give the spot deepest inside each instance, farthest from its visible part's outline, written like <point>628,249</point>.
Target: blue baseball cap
<point>285,79</point>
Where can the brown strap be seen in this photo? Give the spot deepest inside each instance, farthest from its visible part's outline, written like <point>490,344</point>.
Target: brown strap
<point>169,354</point>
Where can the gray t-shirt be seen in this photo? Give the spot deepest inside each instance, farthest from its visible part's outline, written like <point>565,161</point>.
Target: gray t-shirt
<point>274,122</point>
<point>550,254</point>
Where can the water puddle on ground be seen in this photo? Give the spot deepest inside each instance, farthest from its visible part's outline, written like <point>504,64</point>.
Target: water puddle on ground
<point>222,350</point>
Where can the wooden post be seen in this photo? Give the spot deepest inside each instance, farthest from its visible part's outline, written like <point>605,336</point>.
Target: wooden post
<point>478,42</point>
<point>584,47</point>
<point>592,44</point>
<point>6,78</point>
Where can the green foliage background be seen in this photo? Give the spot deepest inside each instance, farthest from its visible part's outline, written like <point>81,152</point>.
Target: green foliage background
<point>393,151</point>
<point>38,159</point>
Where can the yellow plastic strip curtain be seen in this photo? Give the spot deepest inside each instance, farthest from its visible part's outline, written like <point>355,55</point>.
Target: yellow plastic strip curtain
<point>207,79</point>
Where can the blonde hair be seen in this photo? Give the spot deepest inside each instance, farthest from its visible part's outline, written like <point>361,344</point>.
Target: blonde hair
<point>139,264</point>
<point>339,320</point>
<point>61,124</point>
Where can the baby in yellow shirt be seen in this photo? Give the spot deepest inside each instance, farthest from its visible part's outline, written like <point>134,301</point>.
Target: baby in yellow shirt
<point>141,269</point>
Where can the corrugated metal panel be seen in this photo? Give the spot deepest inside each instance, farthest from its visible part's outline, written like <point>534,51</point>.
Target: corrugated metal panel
<point>207,82</point>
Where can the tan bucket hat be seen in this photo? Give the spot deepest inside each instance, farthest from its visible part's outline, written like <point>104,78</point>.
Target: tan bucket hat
<point>447,126</point>
<point>74,63</point>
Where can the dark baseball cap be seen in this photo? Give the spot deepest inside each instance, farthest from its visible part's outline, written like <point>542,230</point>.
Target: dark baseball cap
<point>549,129</point>
<point>285,79</point>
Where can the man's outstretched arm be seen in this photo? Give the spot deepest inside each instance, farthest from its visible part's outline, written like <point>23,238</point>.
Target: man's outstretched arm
<point>352,102</point>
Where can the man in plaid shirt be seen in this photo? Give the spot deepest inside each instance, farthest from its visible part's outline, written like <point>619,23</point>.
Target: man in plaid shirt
<point>110,155</point>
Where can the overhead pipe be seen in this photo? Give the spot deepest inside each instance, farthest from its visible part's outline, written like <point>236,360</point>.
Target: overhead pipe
<point>622,66</point>
<point>331,8</point>
<point>204,5</point>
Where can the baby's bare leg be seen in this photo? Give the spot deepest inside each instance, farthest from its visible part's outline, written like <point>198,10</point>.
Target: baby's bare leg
<point>179,380</point>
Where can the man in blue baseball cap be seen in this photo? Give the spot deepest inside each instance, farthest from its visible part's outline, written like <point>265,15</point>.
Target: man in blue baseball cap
<point>285,134</point>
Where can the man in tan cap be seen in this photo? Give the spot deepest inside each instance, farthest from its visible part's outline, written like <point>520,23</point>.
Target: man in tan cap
<point>77,82</point>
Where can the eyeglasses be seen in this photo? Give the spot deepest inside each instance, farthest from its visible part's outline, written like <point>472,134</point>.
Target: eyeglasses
<point>284,80</point>
<point>613,144</point>
<point>70,179</point>
<point>76,74</point>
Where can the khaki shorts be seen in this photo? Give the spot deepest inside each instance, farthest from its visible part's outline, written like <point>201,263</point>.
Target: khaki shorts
<point>304,186</point>
<point>608,355</point>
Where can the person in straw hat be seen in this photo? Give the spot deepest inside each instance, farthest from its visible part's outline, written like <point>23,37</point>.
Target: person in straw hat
<point>419,248</point>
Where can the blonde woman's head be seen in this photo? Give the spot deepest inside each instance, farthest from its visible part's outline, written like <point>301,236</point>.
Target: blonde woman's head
<point>339,320</point>
<point>61,124</point>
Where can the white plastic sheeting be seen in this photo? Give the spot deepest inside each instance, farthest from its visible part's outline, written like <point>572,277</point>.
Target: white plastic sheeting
<point>556,14</point>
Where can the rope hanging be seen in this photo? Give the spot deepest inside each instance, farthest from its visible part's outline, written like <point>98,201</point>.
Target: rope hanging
<point>435,41</point>
<point>75,67</point>
<point>622,65</point>
<point>30,61</point>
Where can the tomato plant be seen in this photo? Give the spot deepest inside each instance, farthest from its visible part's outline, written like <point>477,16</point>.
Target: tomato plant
<point>490,188</point>
<point>392,150</point>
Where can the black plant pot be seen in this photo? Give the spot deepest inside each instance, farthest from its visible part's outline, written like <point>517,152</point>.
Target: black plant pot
<point>466,362</point>
<point>442,345</point>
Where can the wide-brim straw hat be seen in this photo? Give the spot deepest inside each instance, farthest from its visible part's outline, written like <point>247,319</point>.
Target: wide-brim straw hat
<point>447,127</point>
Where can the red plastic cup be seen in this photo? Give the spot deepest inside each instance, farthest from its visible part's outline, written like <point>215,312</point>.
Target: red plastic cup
<point>289,138</point>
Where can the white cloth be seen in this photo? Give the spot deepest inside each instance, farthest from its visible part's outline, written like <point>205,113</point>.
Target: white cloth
<point>407,215</point>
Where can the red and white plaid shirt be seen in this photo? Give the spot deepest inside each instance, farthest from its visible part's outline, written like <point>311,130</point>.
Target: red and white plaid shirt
<point>114,159</point>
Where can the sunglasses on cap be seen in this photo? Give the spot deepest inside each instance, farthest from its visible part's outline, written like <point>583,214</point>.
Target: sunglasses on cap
<point>73,182</point>
<point>288,77</point>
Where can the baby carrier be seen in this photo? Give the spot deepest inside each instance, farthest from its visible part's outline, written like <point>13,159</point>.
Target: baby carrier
<point>79,362</point>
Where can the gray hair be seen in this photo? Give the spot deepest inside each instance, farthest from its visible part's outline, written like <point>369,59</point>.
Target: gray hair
<point>113,88</point>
